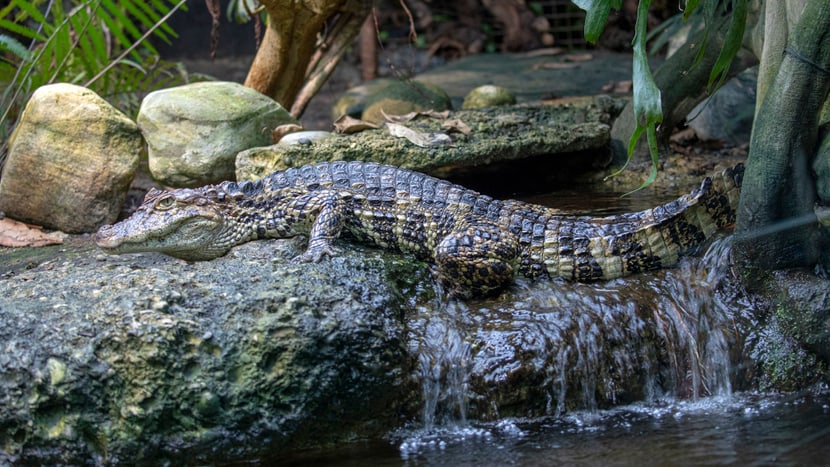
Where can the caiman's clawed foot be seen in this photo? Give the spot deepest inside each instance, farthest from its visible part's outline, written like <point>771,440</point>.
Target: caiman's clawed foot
<point>316,252</point>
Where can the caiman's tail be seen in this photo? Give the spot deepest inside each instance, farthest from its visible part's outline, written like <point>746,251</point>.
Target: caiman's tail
<point>626,244</point>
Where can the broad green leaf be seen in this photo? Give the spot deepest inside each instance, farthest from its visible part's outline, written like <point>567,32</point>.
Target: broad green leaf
<point>648,110</point>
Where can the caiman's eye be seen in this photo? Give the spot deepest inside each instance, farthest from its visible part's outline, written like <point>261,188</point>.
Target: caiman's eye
<point>165,203</point>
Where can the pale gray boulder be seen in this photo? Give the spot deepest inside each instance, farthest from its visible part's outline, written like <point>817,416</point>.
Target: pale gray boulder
<point>194,131</point>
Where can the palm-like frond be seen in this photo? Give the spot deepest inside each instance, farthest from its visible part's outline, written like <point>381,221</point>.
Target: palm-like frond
<point>102,44</point>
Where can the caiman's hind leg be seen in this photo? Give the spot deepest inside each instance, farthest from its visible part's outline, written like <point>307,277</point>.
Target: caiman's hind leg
<point>476,260</point>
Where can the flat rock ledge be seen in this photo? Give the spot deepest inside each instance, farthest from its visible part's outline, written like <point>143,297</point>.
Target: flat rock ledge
<point>567,129</point>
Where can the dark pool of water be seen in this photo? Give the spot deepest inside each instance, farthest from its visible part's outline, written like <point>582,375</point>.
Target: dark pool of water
<point>744,429</point>
<point>601,202</point>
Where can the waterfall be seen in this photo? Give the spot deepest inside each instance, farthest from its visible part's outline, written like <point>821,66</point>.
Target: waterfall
<point>548,347</point>
<point>444,362</point>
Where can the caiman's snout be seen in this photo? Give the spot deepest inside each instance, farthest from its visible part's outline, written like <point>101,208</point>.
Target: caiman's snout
<point>105,238</point>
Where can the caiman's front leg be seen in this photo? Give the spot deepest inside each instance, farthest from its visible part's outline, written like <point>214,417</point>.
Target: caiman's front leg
<point>326,210</point>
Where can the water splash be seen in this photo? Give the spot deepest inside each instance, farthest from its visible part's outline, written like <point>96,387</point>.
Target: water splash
<point>701,322</point>
<point>553,348</point>
<point>444,361</point>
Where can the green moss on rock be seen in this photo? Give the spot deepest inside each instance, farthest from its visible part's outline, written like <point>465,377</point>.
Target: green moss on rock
<point>498,134</point>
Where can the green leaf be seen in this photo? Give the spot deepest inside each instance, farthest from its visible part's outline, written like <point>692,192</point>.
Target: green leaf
<point>732,43</point>
<point>648,110</point>
<point>115,29</point>
<point>647,105</point>
<point>63,46</point>
<point>21,30</point>
<point>87,34</point>
<point>122,23</point>
<point>30,9</point>
<point>14,46</point>
<point>99,44</point>
<point>596,15</point>
<point>164,31</point>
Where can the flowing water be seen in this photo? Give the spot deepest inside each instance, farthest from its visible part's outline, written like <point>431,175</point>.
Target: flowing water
<point>648,370</point>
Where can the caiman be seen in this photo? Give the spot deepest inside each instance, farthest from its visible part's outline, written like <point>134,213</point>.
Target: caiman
<point>477,243</point>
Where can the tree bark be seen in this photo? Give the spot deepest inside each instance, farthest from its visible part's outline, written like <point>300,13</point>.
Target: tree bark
<point>776,224</point>
<point>368,50</point>
<point>282,62</point>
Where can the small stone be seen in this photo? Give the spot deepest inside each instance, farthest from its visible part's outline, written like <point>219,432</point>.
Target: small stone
<point>303,137</point>
<point>488,96</point>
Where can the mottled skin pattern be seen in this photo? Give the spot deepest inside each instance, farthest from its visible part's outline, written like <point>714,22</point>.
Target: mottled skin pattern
<point>477,243</point>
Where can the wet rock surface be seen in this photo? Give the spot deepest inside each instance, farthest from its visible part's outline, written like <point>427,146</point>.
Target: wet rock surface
<point>792,345</point>
<point>147,358</point>
<point>119,359</point>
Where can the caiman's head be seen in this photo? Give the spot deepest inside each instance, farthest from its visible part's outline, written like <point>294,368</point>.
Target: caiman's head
<point>186,224</point>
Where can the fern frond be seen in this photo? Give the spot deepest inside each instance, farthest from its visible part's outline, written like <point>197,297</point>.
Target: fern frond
<point>14,46</point>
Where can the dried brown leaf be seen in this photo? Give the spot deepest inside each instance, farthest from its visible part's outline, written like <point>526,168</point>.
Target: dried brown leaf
<point>282,130</point>
<point>424,140</point>
<point>413,115</point>
<point>455,124</point>
<point>18,234</point>
<point>348,125</point>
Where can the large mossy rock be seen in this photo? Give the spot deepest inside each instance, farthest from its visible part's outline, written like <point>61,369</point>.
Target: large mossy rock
<point>71,160</point>
<point>571,135</point>
<point>145,358</point>
<point>388,96</point>
<point>194,131</point>
<point>151,360</point>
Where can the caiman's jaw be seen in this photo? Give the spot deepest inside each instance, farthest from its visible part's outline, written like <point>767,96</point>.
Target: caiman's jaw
<point>177,223</point>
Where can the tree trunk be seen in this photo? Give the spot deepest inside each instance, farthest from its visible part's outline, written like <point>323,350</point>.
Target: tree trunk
<point>282,62</point>
<point>776,223</point>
